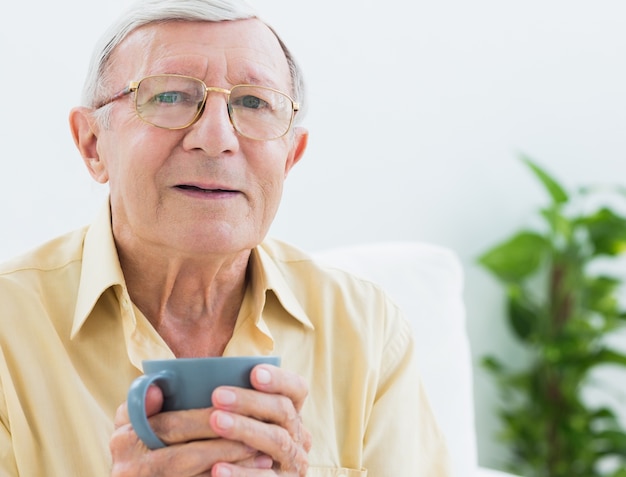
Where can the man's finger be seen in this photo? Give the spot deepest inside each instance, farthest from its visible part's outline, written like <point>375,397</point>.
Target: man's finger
<point>154,403</point>
<point>273,380</point>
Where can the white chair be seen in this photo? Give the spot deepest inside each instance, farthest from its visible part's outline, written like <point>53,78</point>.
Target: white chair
<point>426,281</point>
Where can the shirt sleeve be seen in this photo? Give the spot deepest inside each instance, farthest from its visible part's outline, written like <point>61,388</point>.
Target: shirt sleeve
<point>402,437</point>
<point>8,466</point>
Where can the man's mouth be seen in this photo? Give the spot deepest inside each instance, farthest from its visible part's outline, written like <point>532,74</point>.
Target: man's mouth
<point>198,189</point>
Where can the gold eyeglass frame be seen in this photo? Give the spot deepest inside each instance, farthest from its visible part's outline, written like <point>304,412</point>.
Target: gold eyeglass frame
<point>133,86</point>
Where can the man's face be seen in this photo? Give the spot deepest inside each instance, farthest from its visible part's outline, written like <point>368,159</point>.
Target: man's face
<point>203,189</point>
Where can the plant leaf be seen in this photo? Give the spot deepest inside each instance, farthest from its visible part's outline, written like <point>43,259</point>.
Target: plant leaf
<point>492,364</point>
<point>522,315</point>
<point>610,442</point>
<point>558,194</point>
<point>516,258</point>
<point>601,296</point>
<point>607,232</point>
<point>558,223</point>
<point>603,356</point>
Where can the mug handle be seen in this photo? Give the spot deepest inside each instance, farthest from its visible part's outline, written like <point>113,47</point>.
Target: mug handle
<point>137,405</point>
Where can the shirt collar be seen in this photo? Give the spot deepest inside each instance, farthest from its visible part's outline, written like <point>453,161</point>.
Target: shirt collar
<point>273,278</point>
<point>100,268</point>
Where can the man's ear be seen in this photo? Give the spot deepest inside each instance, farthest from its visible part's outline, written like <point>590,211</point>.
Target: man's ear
<point>85,133</point>
<point>300,140</point>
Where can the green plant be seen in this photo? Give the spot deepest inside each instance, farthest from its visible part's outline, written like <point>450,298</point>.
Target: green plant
<point>561,307</point>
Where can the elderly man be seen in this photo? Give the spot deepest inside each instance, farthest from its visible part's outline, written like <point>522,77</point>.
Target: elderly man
<point>190,114</point>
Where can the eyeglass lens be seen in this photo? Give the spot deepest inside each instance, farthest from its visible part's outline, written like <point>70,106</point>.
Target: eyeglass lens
<point>173,102</point>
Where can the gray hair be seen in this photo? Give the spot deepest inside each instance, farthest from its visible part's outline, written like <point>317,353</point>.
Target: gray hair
<point>144,12</point>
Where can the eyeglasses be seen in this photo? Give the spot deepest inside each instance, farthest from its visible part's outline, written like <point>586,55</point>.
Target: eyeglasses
<point>175,102</point>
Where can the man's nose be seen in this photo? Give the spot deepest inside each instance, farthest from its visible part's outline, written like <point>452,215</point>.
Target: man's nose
<point>213,131</point>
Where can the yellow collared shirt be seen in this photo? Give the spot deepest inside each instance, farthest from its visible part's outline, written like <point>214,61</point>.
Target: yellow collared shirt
<point>71,342</point>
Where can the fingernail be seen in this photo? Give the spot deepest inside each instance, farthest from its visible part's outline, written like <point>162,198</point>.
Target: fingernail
<point>224,396</point>
<point>224,420</point>
<point>263,376</point>
<point>263,461</point>
<point>223,471</point>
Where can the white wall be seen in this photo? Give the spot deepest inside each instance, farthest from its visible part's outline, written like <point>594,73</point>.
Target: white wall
<point>417,112</point>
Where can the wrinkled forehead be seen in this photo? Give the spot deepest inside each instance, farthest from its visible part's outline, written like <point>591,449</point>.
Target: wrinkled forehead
<point>238,51</point>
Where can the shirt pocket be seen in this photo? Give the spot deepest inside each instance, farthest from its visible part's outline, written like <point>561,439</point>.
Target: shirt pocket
<point>335,472</point>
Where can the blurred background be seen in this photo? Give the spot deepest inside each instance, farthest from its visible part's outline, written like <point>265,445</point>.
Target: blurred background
<point>417,113</point>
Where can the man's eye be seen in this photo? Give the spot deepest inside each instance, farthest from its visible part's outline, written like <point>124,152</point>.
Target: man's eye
<point>169,97</point>
<point>251,102</point>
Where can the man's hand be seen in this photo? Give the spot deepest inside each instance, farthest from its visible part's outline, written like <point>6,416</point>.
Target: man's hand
<point>269,421</point>
<point>247,433</point>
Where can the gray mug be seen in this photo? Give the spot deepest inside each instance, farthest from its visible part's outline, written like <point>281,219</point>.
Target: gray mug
<point>187,383</point>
